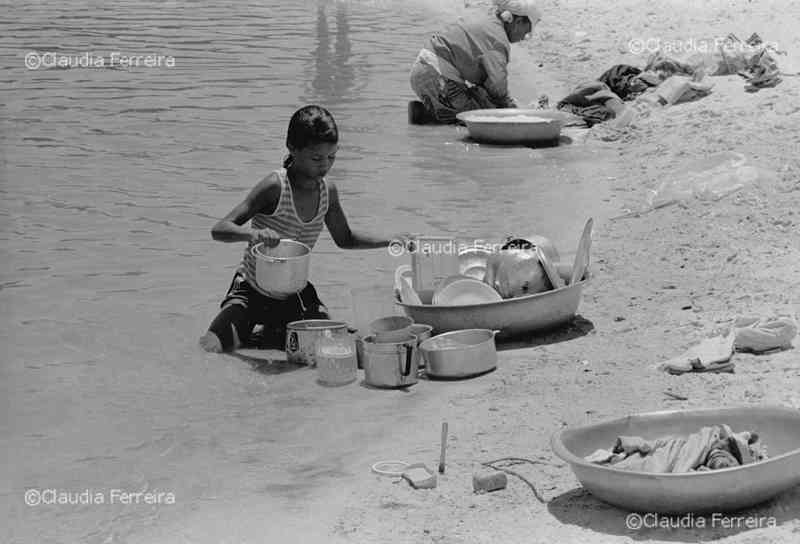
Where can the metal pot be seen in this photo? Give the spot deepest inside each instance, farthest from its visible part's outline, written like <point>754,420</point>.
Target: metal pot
<point>460,354</point>
<point>302,336</point>
<point>422,332</point>
<point>391,364</point>
<point>393,328</point>
<point>281,270</point>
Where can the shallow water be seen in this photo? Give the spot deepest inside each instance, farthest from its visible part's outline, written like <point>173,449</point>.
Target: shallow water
<point>111,178</point>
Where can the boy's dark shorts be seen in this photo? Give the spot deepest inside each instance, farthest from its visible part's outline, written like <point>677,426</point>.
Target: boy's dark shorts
<point>244,307</point>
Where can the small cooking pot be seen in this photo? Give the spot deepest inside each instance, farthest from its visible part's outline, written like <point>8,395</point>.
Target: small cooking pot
<point>302,336</point>
<point>281,270</point>
<point>460,354</point>
<point>422,332</point>
<point>391,364</point>
<point>393,328</point>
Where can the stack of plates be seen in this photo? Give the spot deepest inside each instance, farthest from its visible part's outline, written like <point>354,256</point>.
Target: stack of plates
<point>472,263</point>
<point>464,291</point>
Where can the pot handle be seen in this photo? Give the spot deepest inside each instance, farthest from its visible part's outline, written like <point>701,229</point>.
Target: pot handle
<point>409,352</point>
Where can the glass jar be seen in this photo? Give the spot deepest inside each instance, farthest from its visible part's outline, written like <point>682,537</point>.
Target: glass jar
<point>336,359</point>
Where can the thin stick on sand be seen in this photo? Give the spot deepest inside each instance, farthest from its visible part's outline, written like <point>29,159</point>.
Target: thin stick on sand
<point>444,447</point>
<point>640,213</point>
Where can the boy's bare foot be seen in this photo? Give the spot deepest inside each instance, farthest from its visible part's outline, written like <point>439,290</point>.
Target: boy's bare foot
<point>210,342</point>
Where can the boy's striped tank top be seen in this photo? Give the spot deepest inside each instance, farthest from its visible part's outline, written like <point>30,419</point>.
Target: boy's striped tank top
<point>285,221</point>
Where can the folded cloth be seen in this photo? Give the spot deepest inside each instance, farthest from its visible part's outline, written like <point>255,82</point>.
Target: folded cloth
<point>602,457</point>
<point>711,448</point>
<point>761,70</point>
<point>623,80</point>
<point>754,84</point>
<point>677,89</point>
<point>589,93</point>
<point>745,446</point>
<point>630,444</point>
<point>593,101</point>
<point>764,334</point>
<point>651,78</point>
<point>710,355</point>
<point>671,454</point>
<point>721,458</point>
<point>665,66</point>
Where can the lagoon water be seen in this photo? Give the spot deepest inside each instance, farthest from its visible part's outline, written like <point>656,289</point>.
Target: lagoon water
<point>111,177</point>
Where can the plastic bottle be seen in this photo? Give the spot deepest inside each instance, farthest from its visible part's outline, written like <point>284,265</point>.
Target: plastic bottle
<point>336,359</point>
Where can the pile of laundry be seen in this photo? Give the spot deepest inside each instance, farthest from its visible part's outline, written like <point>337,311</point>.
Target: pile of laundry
<point>755,62</point>
<point>670,80</point>
<point>751,334</point>
<point>711,448</point>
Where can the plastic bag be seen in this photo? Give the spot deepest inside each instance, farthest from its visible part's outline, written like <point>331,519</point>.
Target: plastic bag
<point>711,178</point>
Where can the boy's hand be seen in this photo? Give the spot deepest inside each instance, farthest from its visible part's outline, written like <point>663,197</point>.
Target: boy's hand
<point>267,236</point>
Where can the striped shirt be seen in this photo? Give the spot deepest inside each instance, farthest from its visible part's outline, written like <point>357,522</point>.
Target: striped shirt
<point>285,221</point>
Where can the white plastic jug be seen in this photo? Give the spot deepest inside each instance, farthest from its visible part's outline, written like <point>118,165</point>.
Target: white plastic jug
<point>336,359</point>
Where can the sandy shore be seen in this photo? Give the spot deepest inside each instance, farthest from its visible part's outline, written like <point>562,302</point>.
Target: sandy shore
<point>662,281</point>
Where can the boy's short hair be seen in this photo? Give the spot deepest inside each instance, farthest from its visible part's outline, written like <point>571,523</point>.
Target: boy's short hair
<point>311,125</point>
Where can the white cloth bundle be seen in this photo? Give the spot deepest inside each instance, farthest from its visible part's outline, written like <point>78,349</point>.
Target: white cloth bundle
<point>763,334</point>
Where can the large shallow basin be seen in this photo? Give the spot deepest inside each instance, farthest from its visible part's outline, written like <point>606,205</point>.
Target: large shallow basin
<point>721,490</point>
<point>510,316</point>
<point>512,125</point>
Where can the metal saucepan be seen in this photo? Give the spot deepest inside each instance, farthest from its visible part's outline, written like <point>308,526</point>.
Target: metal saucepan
<point>460,354</point>
<point>391,364</point>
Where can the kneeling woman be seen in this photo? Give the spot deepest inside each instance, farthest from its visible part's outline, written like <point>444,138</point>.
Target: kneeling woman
<point>465,67</point>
